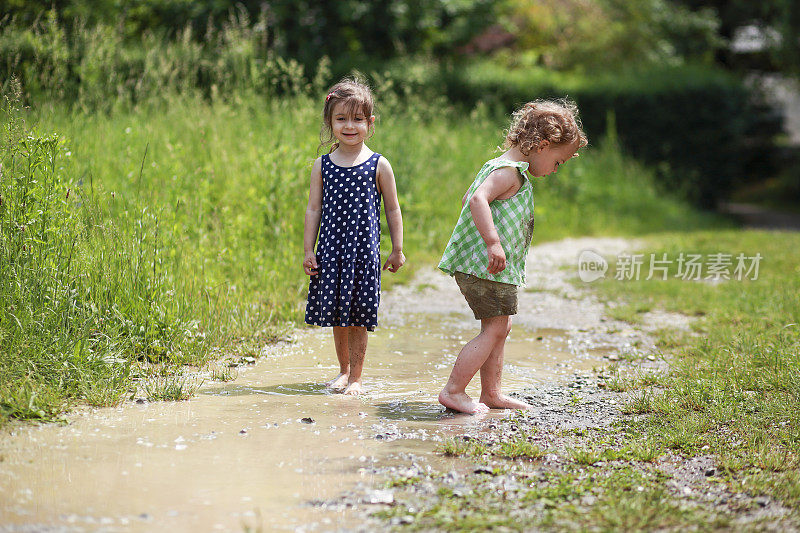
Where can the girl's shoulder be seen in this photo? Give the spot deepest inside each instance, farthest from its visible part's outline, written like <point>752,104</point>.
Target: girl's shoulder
<point>382,161</point>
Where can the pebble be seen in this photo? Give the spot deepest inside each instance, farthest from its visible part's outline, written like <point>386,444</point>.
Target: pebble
<point>307,420</point>
<point>377,497</point>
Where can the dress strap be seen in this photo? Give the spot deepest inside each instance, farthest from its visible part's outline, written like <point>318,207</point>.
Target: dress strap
<point>522,166</point>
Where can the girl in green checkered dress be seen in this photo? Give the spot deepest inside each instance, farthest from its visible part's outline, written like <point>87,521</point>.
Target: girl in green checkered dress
<point>487,250</point>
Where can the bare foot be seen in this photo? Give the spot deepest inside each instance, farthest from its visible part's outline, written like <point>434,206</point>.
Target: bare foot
<point>501,401</point>
<point>461,402</point>
<point>339,382</point>
<point>353,389</point>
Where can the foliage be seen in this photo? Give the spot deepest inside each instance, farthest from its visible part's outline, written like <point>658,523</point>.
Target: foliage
<point>99,67</point>
<point>303,30</point>
<point>782,16</point>
<point>600,34</point>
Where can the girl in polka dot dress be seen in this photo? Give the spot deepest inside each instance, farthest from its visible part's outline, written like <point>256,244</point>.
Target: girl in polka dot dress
<point>347,185</point>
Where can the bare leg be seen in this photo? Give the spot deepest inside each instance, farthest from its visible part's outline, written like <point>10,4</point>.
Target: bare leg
<point>358,349</point>
<point>341,341</point>
<point>491,375</point>
<point>471,358</point>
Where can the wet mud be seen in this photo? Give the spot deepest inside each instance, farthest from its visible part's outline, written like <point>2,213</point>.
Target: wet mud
<point>274,449</point>
<point>261,449</point>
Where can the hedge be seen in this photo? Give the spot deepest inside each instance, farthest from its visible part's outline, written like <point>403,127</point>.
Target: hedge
<point>704,129</point>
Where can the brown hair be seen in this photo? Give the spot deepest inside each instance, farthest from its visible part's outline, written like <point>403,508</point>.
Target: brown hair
<point>357,98</point>
<point>555,121</point>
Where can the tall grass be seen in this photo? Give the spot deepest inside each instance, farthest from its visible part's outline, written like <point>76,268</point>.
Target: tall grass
<point>84,294</point>
<point>103,67</point>
<point>169,231</point>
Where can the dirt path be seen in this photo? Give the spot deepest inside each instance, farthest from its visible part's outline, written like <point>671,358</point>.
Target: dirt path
<point>274,449</point>
<point>569,414</point>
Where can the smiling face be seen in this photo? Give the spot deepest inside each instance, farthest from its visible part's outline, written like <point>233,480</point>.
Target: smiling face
<point>350,125</point>
<point>547,157</point>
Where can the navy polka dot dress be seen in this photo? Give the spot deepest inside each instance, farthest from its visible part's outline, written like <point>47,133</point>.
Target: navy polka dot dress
<point>346,290</point>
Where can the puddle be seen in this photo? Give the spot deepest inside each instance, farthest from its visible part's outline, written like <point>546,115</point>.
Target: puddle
<point>258,449</point>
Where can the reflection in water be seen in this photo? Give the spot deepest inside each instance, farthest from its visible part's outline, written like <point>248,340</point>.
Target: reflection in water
<point>288,389</point>
<point>419,411</point>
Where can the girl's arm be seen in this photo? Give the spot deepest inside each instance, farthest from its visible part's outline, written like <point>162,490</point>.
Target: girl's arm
<point>312,218</point>
<point>394,218</point>
<point>498,184</point>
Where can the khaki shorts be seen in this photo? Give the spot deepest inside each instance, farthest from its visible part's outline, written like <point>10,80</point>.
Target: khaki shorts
<point>487,298</point>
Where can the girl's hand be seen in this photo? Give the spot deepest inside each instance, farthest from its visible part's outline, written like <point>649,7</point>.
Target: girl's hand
<point>310,264</point>
<point>497,258</point>
<point>395,261</point>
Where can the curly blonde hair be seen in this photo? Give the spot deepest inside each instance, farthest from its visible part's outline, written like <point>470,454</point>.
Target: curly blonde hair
<point>357,97</point>
<point>555,121</point>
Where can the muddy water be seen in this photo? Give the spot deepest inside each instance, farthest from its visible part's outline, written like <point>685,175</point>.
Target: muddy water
<point>257,450</point>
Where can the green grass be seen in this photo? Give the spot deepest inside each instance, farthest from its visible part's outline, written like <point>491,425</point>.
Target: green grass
<point>640,403</point>
<point>223,373</point>
<point>457,447</point>
<point>618,381</point>
<point>520,448</point>
<point>170,387</point>
<point>734,390</point>
<point>170,231</point>
<point>579,498</point>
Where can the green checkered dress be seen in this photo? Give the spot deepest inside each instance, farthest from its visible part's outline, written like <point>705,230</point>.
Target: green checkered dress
<point>513,218</point>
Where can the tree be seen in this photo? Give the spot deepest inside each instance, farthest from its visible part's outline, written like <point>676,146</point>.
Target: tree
<point>782,16</point>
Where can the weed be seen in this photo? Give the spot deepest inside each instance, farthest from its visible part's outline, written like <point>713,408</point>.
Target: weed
<point>170,387</point>
<point>585,455</point>
<point>619,383</point>
<point>647,450</point>
<point>640,403</point>
<point>627,313</point>
<point>223,373</point>
<point>519,448</point>
<point>456,447</point>
<point>403,481</point>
